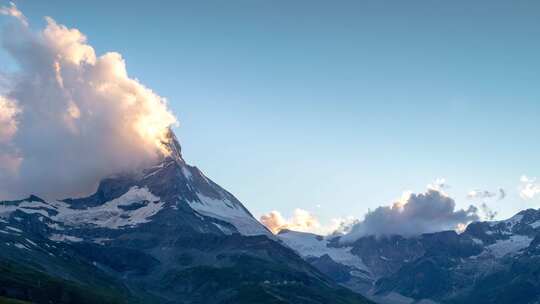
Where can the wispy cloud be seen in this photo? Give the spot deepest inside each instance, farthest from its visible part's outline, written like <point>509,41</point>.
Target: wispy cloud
<point>439,184</point>
<point>478,194</point>
<point>13,11</point>
<point>489,214</point>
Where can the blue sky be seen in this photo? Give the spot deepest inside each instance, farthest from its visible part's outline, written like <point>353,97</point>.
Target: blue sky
<point>335,107</point>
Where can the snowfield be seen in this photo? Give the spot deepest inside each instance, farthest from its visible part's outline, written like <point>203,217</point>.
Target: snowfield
<point>512,245</point>
<point>135,207</point>
<point>227,211</point>
<point>111,214</point>
<point>311,245</point>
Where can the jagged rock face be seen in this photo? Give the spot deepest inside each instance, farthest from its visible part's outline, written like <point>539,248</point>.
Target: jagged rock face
<point>491,262</point>
<point>386,255</point>
<point>165,234</point>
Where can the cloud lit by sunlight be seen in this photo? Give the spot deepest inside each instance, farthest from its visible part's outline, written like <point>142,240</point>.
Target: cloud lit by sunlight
<point>529,188</point>
<point>414,214</point>
<point>304,221</point>
<point>70,116</point>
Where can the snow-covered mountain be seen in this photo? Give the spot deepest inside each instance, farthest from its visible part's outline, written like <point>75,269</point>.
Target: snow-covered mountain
<point>491,262</point>
<point>165,234</point>
<point>132,199</point>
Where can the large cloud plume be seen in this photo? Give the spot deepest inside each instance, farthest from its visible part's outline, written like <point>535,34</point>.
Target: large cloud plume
<point>414,214</point>
<point>71,117</point>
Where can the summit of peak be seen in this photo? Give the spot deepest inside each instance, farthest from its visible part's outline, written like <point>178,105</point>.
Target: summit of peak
<point>172,146</point>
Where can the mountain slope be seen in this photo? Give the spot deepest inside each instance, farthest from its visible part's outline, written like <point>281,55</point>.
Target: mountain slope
<point>491,262</point>
<point>165,234</point>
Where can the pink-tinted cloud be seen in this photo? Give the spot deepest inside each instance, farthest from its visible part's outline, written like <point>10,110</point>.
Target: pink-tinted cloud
<point>304,221</point>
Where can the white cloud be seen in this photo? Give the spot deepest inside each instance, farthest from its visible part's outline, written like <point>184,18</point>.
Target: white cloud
<point>414,214</point>
<point>478,194</point>
<point>71,117</point>
<point>489,214</point>
<point>13,11</point>
<point>502,194</point>
<point>484,197</point>
<point>529,188</point>
<point>8,123</point>
<point>305,221</point>
<point>439,185</point>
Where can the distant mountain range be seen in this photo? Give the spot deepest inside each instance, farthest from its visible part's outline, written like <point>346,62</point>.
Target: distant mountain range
<point>168,234</point>
<point>490,262</point>
<point>165,234</point>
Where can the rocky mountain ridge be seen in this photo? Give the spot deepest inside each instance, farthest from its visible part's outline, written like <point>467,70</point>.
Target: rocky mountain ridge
<point>490,262</point>
<point>165,234</point>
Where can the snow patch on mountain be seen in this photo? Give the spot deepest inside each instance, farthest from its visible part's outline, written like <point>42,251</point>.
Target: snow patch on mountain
<point>113,214</point>
<point>21,246</point>
<point>14,229</point>
<point>512,245</point>
<point>312,245</point>
<point>135,207</point>
<point>187,173</point>
<point>535,224</point>
<point>223,229</point>
<point>64,238</point>
<point>28,207</point>
<point>228,211</point>
<point>509,223</point>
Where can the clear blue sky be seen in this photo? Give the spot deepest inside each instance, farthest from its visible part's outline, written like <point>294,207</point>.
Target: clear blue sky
<point>342,104</point>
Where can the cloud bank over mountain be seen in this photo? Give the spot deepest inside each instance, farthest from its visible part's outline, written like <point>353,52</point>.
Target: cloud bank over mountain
<point>411,215</point>
<point>414,214</point>
<point>70,117</point>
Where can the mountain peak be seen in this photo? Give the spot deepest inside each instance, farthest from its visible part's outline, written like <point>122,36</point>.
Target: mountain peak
<point>172,145</point>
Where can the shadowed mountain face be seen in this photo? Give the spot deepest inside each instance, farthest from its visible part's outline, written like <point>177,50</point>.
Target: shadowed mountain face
<point>491,262</point>
<point>165,234</point>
